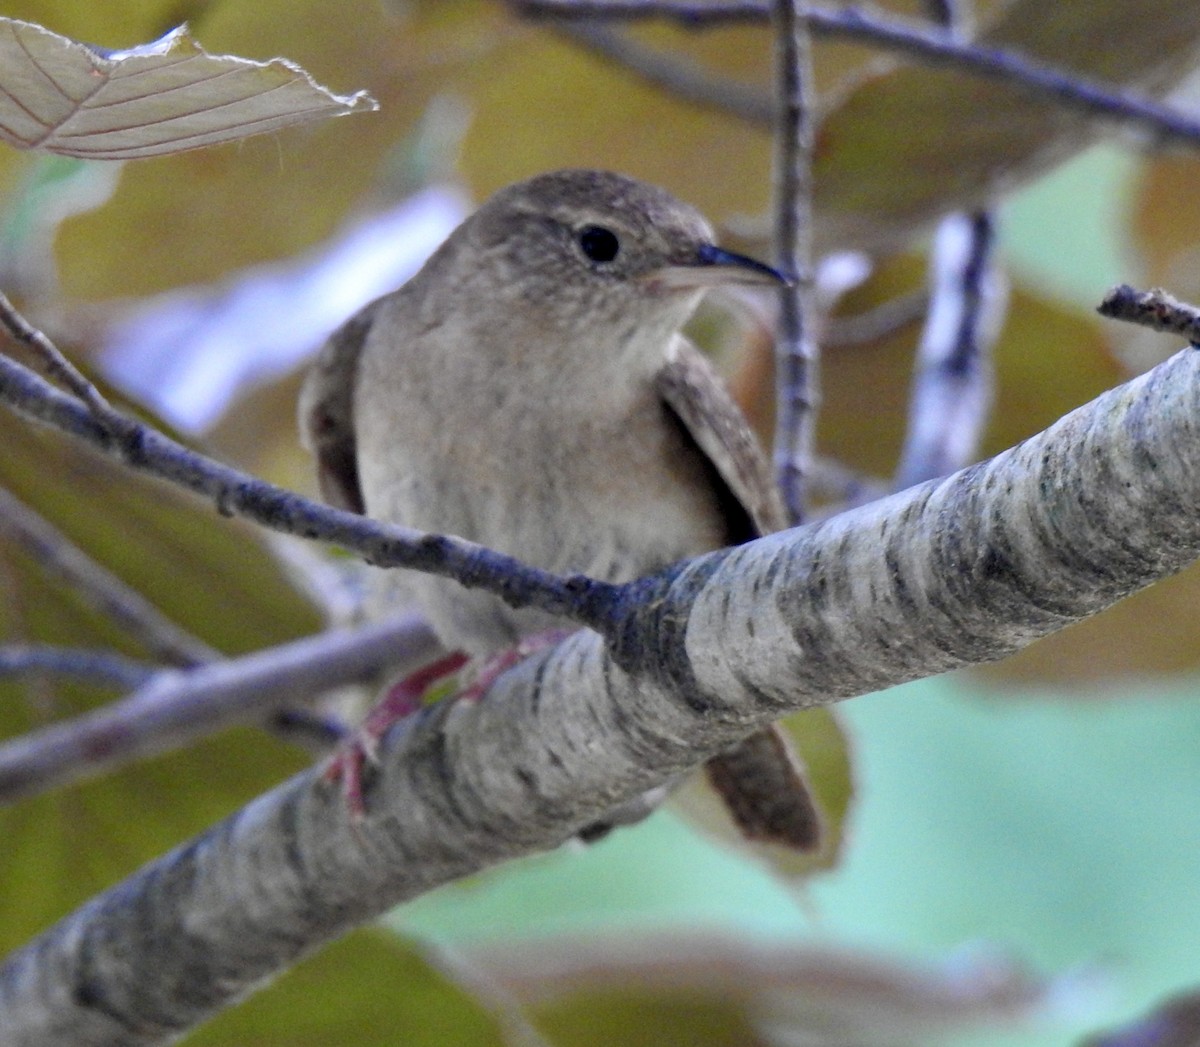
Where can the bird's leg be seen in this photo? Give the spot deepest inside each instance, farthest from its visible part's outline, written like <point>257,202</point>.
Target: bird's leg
<point>499,663</point>
<point>402,700</point>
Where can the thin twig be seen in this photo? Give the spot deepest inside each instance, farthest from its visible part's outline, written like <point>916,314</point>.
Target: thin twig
<point>581,599</point>
<point>178,706</point>
<point>98,667</point>
<point>683,79</point>
<point>54,552</point>
<point>950,15</point>
<point>796,350</point>
<point>934,47</point>
<point>58,367</point>
<point>1155,309</point>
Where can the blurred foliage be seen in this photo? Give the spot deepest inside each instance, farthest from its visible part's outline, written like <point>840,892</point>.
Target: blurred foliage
<point>898,145</point>
<point>215,577</point>
<point>369,988</point>
<point>64,847</point>
<point>703,989</point>
<point>539,102</point>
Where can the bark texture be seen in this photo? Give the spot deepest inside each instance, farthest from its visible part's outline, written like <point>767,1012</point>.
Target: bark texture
<point>952,572</point>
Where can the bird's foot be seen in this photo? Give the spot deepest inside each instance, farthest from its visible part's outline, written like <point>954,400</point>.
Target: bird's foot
<point>348,764</point>
<point>500,662</point>
<point>403,699</point>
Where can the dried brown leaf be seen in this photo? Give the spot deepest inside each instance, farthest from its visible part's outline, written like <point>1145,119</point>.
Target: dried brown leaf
<point>70,98</point>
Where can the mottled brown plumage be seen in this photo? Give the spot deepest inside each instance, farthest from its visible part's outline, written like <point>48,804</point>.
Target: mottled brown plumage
<point>529,389</point>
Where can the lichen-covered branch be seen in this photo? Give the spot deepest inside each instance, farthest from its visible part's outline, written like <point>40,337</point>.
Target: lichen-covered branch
<point>1157,309</point>
<point>952,572</point>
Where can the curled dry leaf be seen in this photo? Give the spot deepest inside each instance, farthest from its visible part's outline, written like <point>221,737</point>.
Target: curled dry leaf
<point>65,97</point>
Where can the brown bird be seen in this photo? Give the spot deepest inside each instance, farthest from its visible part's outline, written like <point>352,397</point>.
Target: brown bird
<point>529,389</point>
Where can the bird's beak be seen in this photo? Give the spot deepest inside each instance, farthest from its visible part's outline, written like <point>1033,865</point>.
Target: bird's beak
<point>714,266</point>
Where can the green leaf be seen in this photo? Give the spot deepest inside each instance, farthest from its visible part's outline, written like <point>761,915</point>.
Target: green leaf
<point>372,989</point>
<point>216,578</point>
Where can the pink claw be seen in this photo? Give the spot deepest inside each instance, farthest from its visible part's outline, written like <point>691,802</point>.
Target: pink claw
<point>402,700</point>
<point>502,661</point>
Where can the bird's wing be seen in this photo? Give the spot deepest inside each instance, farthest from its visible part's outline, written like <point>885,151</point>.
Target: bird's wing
<point>326,412</point>
<point>697,396</point>
<point>761,781</point>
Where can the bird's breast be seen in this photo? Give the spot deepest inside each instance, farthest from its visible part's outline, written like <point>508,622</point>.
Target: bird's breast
<point>615,494</point>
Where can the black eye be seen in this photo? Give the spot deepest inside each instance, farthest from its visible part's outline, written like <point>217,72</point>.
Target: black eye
<point>598,243</point>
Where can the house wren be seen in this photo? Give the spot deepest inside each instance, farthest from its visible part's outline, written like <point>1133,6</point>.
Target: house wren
<point>529,389</point>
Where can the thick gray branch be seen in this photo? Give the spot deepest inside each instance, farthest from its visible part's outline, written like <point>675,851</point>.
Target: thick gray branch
<point>952,572</point>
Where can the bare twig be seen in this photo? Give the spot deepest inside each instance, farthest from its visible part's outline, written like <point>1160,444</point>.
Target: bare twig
<point>584,600</point>
<point>177,706</point>
<point>54,552</point>
<point>683,79</point>
<point>796,350</point>
<point>58,367</point>
<point>950,15</point>
<point>1155,309</point>
<point>936,48</point>
<point>100,667</point>
<point>952,383</point>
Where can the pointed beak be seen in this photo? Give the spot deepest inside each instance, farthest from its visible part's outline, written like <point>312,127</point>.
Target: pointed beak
<point>714,266</point>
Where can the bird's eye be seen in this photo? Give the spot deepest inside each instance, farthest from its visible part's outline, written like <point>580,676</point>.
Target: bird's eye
<point>598,243</point>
